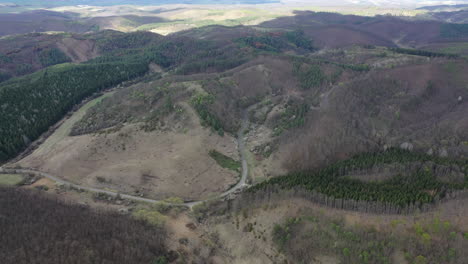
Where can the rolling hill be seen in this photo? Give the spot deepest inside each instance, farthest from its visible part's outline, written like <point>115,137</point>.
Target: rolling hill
<point>351,131</point>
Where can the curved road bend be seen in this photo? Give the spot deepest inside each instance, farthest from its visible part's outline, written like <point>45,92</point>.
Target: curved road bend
<point>241,184</point>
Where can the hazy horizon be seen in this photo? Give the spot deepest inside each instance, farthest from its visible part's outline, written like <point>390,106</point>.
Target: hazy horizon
<point>402,3</point>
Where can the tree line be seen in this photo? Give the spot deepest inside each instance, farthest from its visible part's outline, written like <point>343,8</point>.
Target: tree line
<point>423,53</point>
<point>419,187</point>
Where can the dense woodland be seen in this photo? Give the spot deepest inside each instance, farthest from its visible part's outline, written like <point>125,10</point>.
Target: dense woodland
<point>37,229</point>
<point>416,188</point>
<point>31,104</point>
<point>52,56</point>
<point>182,54</point>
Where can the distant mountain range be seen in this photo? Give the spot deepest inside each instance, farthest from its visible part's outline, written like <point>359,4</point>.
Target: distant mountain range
<point>56,3</point>
<point>383,3</point>
<point>388,3</point>
<point>444,7</point>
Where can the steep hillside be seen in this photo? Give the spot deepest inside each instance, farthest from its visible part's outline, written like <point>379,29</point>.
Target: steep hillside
<point>23,54</point>
<point>422,105</point>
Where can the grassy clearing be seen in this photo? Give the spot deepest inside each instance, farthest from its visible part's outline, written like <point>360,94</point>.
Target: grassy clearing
<point>225,161</point>
<point>10,179</point>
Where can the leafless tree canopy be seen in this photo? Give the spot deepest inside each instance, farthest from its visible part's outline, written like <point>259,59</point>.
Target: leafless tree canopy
<point>38,229</point>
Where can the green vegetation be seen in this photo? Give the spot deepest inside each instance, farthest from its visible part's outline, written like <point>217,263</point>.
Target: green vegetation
<point>211,58</point>
<point>52,56</point>
<point>168,107</point>
<point>424,53</point>
<point>201,103</point>
<point>120,41</point>
<point>4,76</point>
<point>191,56</point>
<point>217,64</point>
<point>22,69</point>
<point>454,30</point>
<point>309,76</point>
<point>293,116</point>
<point>419,187</point>
<point>11,179</point>
<point>5,59</point>
<point>298,38</point>
<point>282,233</point>
<point>32,103</point>
<point>277,41</point>
<point>153,217</point>
<point>299,61</point>
<point>225,161</point>
<point>160,260</point>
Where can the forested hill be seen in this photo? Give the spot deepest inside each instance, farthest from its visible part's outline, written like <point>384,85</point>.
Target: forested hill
<point>31,104</point>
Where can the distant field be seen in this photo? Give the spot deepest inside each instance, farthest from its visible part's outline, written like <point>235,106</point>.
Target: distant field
<point>10,179</point>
